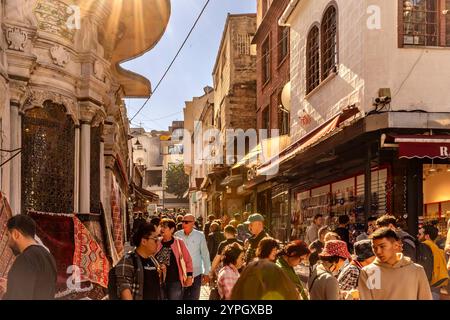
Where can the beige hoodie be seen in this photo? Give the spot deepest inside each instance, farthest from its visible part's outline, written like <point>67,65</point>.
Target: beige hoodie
<point>403,281</point>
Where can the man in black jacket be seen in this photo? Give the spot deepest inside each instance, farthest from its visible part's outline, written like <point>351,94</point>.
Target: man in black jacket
<point>33,274</point>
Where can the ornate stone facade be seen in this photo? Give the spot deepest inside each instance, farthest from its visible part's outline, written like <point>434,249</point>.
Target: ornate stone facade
<point>53,57</point>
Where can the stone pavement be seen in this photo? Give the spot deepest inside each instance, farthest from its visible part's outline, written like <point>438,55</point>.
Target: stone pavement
<point>204,293</point>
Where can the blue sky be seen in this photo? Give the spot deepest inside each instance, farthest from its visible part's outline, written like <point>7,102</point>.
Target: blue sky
<point>192,70</point>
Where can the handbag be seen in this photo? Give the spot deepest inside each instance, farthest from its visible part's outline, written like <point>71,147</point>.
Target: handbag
<point>182,262</point>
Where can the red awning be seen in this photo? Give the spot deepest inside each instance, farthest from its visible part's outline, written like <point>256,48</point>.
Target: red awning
<point>421,146</point>
<point>307,141</point>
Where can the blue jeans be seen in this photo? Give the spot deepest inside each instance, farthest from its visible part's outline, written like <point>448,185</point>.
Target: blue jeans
<point>193,292</point>
<point>173,291</point>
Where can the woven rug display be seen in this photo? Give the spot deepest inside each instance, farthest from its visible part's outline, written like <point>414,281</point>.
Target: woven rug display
<point>89,256</point>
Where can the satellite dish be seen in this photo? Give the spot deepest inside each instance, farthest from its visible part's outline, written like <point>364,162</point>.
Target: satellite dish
<point>286,96</point>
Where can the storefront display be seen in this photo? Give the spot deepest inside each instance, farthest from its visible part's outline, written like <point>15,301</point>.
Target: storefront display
<point>343,197</point>
<point>436,192</point>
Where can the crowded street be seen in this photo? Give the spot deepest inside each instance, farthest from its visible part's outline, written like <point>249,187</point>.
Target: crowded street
<point>210,150</point>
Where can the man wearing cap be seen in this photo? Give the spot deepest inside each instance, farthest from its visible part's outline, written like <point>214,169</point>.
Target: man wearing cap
<point>348,277</point>
<point>256,227</point>
<point>196,244</point>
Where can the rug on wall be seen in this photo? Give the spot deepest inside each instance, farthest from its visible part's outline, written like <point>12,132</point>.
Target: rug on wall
<point>89,256</point>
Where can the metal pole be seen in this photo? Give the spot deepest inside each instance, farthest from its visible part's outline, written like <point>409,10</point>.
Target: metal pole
<point>368,184</point>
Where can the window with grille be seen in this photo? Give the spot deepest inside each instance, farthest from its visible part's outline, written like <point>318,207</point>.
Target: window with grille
<point>424,23</point>
<point>243,44</point>
<point>312,60</point>
<point>266,61</point>
<point>283,43</point>
<point>329,42</point>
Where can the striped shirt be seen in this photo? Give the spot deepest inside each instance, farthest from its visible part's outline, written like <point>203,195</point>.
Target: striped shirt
<point>228,276</point>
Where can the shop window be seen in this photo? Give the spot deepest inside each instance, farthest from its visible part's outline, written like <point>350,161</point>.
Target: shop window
<point>329,42</point>
<point>48,159</point>
<point>312,60</point>
<point>266,61</point>
<point>425,22</point>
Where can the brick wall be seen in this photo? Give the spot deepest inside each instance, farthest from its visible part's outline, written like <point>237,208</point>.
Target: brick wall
<point>268,93</point>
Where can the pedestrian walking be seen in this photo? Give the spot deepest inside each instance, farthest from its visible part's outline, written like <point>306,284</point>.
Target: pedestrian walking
<point>174,255</point>
<point>264,280</point>
<point>439,279</point>
<point>211,219</point>
<point>256,227</point>
<point>138,275</point>
<point>343,230</point>
<point>291,256</point>
<point>214,239</point>
<point>33,273</point>
<point>198,249</point>
<point>370,228</point>
<point>230,238</point>
<point>313,229</point>
<point>323,284</point>
<point>268,249</point>
<point>392,276</point>
<point>233,259</point>
<point>316,246</point>
<point>348,277</point>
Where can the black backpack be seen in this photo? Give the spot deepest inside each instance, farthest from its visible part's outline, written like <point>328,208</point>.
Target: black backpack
<point>419,253</point>
<point>425,258</point>
<point>112,280</point>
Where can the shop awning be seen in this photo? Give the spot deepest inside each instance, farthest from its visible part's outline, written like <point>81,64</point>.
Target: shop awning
<point>266,147</point>
<point>145,194</point>
<point>307,141</point>
<point>423,146</point>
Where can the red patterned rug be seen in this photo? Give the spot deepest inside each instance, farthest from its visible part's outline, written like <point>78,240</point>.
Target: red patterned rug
<point>116,219</point>
<point>6,255</point>
<point>89,256</point>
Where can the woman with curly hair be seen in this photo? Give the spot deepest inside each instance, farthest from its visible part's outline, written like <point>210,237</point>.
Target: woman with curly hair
<point>233,259</point>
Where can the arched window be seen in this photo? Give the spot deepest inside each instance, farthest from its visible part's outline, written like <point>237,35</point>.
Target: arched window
<point>329,42</point>
<point>312,60</point>
<point>48,144</point>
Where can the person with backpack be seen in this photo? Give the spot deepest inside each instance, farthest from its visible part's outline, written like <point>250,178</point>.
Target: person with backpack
<point>408,241</point>
<point>410,247</point>
<point>427,235</point>
<point>392,276</point>
<point>174,255</point>
<point>138,275</point>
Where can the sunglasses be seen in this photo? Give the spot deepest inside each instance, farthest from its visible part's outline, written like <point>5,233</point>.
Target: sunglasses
<point>186,222</point>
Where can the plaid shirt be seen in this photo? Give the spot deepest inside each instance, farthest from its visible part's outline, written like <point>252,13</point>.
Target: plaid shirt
<point>130,275</point>
<point>348,278</point>
<point>228,276</point>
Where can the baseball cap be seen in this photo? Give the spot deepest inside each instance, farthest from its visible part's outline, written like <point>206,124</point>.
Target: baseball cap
<point>255,217</point>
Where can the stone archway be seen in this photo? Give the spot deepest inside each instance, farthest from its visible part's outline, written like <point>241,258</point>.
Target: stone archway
<point>48,144</point>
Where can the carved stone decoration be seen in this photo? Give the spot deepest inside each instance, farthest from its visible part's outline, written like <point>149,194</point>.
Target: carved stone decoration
<point>60,56</point>
<point>36,98</point>
<point>16,38</point>
<point>99,70</point>
<point>53,16</point>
